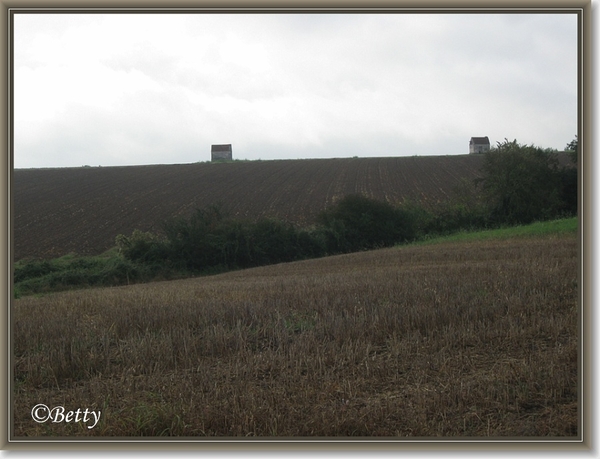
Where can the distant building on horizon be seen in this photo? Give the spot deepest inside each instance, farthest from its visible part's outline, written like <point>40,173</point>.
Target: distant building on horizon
<point>221,152</point>
<point>479,144</point>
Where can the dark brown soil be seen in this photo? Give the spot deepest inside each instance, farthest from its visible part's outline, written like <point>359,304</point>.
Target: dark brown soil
<point>82,210</point>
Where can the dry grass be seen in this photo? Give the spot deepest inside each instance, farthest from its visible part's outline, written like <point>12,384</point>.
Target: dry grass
<point>472,339</point>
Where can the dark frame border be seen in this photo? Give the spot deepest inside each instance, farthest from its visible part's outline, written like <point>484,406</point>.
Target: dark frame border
<point>581,7</point>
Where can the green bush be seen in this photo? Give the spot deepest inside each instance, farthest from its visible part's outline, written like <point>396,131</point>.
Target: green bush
<point>569,190</point>
<point>521,183</point>
<point>195,243</point>
<point>451,218</point>
<point>209,240</point>
<point>142,247</point>
<point>28,269</point>
<point>34,276</point>
<point>359,223</point>
<point>273,241</point>
<point>464,211</point>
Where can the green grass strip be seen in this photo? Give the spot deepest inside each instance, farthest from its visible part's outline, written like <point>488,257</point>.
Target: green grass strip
<point>563,226</point>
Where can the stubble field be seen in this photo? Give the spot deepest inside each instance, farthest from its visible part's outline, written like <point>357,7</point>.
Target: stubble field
<point>471,339</point>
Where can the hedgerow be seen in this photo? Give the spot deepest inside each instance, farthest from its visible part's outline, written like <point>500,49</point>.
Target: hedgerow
<point>520,184</point>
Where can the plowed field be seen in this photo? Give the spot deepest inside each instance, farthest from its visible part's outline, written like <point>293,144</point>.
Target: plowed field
<point>82,210</point>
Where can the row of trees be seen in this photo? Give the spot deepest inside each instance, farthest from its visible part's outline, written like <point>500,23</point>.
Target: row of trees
<point>524,183</point>
<point>520,184</point>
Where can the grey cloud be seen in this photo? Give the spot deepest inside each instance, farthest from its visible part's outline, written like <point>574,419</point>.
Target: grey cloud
<point>316,86</point>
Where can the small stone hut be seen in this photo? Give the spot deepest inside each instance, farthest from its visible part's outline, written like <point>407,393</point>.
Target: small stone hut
<point>479,144</point>
<point>221,152</point>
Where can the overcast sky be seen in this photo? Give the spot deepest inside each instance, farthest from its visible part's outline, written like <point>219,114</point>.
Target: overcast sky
<point>123,89</point>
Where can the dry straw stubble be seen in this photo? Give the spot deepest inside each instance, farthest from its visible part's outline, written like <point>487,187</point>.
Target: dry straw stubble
<point>473,339</point>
